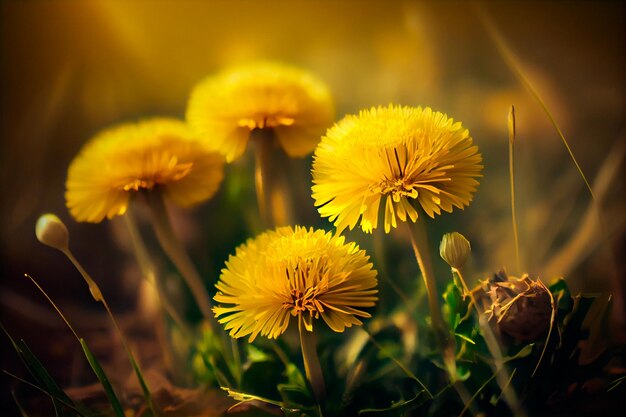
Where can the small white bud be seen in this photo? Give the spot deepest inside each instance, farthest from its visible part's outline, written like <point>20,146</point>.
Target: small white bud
<point>51,231</point>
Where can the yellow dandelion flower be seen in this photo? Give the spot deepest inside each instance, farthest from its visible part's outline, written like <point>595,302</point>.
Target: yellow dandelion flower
<point>225,108</point>
<point>300,273</point>
<point>140,156</point>
<point>393,155</point>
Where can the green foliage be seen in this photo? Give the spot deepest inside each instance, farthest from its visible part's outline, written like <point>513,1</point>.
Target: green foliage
<point>104,380</point>
<point>62,403</point>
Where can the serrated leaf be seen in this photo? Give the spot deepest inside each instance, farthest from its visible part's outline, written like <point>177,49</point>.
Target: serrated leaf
<point>104,380</point>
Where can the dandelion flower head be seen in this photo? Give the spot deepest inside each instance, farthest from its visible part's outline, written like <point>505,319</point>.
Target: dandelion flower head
<point>119,161</point>
<point>300,273</point>
<point>397,156</point>
<point>225,108</point>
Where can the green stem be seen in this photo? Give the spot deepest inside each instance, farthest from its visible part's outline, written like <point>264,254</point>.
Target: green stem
<point>446,344</point>
<point>419,241</point>
<point>272,188</point>
<point>312,366</point>
<point>97,295</point>
<point>149,271</point>
<point>178,255</point>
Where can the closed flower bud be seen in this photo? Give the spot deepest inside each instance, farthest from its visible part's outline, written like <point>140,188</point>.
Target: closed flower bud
<point>521,307</point>
<point>51,231</point>
<point>454,249</point>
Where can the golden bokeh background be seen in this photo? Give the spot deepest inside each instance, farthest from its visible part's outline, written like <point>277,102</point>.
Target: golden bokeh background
<point>70,68</point>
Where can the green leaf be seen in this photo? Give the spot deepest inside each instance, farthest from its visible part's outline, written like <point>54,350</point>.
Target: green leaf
<point>261,378</point>
<point>294,376</point>
<point>522,353</point>
<point>39,372</point>
<point>296,397</point>
<point>467,339</point>
<point>296,412</point>
<point>562,295</point>
<point>397,409</point>
<point>104,380</point>
<point>242,397</point>
<point>254,354</point>
<point>144,386</point>
<point>43,377</point>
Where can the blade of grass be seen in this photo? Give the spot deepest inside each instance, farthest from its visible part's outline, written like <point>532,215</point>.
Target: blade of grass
<point>471,400</point>
<point>97,295</point>
<point>38,388</point>
<point>18,405</point>
<point>397,362</point>
<point>506,386</point>
<point>90,358</point>
<point>104,380</point>
<point>552,318</point>
<point>512,62</point>
<point>511,127</point>
<point>38,371</point>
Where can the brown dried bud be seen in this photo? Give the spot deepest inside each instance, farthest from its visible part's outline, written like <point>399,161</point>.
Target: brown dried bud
<point>521,307</point>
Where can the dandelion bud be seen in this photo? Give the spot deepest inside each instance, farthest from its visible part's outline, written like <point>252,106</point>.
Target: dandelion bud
<point>454,249</point>
<point>51,231</point>
<point>521,307</point>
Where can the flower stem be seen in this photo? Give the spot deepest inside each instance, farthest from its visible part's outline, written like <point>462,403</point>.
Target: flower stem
<point>178,255</point>
<point>149,271</point>
<point>312,366</point>
<point>272,188</point>
<point>419,240</point>
<point>97,295</point>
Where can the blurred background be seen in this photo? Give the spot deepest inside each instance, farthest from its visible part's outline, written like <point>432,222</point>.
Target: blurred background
<point>70,68</point>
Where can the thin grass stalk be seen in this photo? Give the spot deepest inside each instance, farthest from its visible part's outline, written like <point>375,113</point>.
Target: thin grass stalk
<point>512,62</point>
<point>95,366</point>
<point>97,295</point>
<point>511,128</point>
<point>38,388</point>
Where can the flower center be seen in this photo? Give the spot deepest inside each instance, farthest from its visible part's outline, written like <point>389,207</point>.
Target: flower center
<point>399,187</point>
<point>301,302</point>
<point>308,283</point>
<point>173,172</point>
<point>261,121</point>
